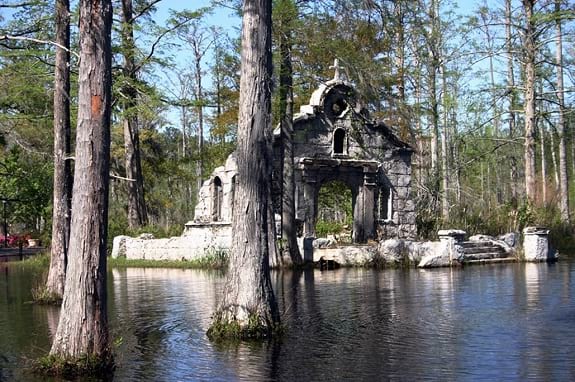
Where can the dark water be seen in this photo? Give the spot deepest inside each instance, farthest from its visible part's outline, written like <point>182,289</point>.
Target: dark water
<point>502,322</point>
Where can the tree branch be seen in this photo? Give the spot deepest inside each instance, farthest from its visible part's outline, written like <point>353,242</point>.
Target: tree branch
<point>22,38</point>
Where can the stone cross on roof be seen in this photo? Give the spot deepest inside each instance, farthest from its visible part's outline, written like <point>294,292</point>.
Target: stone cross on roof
<point>337,74</point>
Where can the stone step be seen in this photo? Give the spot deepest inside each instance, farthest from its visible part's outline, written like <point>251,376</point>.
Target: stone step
<point>485,255</point>
<point>491,261</point>
<point>486,248</point>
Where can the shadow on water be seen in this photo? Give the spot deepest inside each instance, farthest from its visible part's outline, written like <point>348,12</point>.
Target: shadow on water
<point>511,322</point>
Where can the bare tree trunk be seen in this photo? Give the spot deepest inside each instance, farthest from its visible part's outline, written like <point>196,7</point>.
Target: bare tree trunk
<point>83,325</point>
<point>529,143</point>
<point>512,100</point>
<point>543,165</point>
<point>554,160</point>
<point>137,214</point>
<point>563,177</point>
<point>290,250</point>
<point>62,168</point>
<point>200,110</point>
<point>248,307</point>
<point>444,154</point>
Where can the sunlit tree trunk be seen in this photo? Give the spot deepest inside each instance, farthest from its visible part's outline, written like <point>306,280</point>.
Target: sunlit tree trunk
<point>444,154</point>
<point>563,177</point>
<point>248,302</point>
<point>62,168</point>
<point>83,325</point>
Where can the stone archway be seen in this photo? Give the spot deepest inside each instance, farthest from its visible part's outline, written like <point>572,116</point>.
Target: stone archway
<point>360,176</point>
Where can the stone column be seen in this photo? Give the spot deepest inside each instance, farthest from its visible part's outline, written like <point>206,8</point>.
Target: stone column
<point>310,200</point>
<point>536,244</point>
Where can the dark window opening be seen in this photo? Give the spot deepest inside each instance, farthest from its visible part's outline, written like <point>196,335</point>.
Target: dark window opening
<point>384,203</point>
<point>338,141</point>
<point>218,199</point>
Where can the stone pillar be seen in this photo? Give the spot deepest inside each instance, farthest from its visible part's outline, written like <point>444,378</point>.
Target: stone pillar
<point>536,244</point>
<point>451,240</point>
<point>310,200</point>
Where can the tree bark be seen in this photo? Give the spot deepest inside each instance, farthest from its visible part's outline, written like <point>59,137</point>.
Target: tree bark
<point>290,253</point>
<point>512,99</point>
<point>529,108</point>
<point>249,302</point>
<point>200,110</point>
<point>444,154</point>
<point>83,325</point>
<point>137,214</point>
<point>62,169</point>
<point>563,177</point>
<point>543,166</point>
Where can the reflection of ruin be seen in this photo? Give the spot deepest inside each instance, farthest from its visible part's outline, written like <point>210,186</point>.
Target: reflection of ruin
<point>334,140</point>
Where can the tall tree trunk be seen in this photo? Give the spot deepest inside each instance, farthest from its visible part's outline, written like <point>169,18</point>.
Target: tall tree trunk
<point>543,165</point>
<point>200,110</point>
<point>137,214</point>
<point>554,160</point>
<point>83,325</point>
<point>433,68</point>
<point>249,303</point>
<point>512,99</point>
<point>563,177</point>
<point>290,250</point>
<point>62,168</point>
<point>444,153</point>
<point>529,107</point>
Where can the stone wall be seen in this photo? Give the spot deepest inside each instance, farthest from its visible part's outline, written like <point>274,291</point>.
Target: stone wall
<point>197,241</point>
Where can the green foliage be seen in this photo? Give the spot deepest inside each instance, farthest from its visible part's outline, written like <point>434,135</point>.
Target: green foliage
<point>335,213</point>
<point>26,185</point>
<point>324,228</point>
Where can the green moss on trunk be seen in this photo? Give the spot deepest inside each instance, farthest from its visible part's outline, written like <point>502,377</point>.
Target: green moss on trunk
<point>86,365</point>
<point>254,329</point>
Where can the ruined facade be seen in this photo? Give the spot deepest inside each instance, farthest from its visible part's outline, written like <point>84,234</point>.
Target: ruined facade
<point>334,139</point>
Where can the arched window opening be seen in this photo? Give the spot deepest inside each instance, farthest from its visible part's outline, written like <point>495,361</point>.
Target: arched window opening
<point>384,204</point>
<point>339,141</point>
<point>218,197</point>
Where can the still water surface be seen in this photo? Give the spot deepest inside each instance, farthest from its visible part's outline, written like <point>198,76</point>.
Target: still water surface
<point>496,322</point>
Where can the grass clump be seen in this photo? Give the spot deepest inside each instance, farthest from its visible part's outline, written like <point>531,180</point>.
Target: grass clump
<point>72,368</point>
<point>41,295</point>
<point>214,259</point>
<point>256,328</point>
<point>39,261</point>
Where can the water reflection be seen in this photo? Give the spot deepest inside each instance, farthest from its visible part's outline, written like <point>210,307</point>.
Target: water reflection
<point>510,322</point>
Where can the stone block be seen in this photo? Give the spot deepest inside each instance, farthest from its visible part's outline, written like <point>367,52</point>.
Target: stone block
<point>536,245</point>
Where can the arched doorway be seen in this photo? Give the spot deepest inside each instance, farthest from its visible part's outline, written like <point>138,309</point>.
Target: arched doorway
<point>335,211</point>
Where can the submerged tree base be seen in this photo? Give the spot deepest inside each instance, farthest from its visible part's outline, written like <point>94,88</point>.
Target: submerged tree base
<point>254,328</point>
<point>69,368</point>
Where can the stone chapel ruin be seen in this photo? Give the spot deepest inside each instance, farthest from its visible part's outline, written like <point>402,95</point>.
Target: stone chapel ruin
<point>334,139</point>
